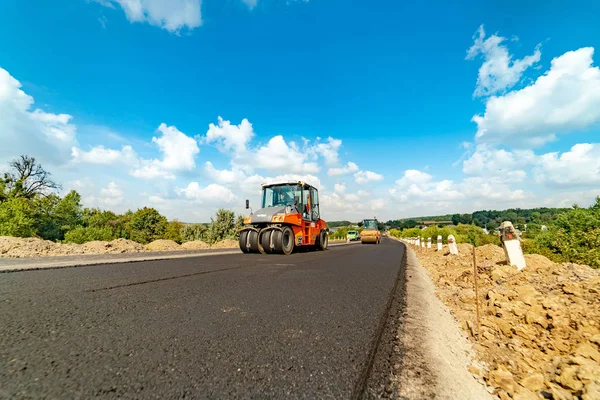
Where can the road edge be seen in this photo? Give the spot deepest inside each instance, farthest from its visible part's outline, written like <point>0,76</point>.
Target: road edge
<point>127,258</point>
<point>437,353</point>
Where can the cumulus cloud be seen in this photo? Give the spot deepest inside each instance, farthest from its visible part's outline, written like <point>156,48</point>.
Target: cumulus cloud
<point>367,176</point>
<point>578,167</point>
<point>349,168</point>
<point>225,176</point>
<point>499,71</point>
<point>230,138</point>
<point>102,155</point>
<point>420,188</point>
<point>329,150</point>
<point>498,163</point>
<point>47,136</point>
<point>279,156</point>
<point>112,194</point>
<point>172,15</point>
<point>564,99</point>
<point>178,151</point>
<point>212,193</point>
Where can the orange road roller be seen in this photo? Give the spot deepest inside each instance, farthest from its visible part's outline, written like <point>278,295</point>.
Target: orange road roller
<point>289,218</point>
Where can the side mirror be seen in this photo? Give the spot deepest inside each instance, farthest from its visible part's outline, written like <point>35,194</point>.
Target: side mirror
<point>247,204</point>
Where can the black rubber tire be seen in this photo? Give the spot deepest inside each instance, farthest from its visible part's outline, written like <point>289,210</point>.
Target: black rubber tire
<point>265,242</point>
<point>243,241</point>
<point>253,238</point>
<point>323,240</point>
<point>277,236</point>
<point>287,240</point>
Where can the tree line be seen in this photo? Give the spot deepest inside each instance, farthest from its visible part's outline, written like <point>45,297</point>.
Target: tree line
<point>31,207</point>
<point>571,234</point>
<point>490,219</point>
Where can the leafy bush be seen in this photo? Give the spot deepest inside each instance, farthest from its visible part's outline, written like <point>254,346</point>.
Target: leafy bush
<point>17,218</point>
<point>173,231</point>
<point>224,226</point>
<point>147,225</point>
<point>193,232</point>
<point>87,234</point>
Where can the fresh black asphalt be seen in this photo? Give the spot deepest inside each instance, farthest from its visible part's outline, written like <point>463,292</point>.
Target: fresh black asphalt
<point>227,326</point>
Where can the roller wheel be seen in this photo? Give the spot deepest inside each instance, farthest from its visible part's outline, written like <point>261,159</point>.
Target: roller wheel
<point>277,241</point>
<point>265,242</point>
<point>244,242</point>
<point>323,241</point>
<point>253,240</point>
<point>287,240</point>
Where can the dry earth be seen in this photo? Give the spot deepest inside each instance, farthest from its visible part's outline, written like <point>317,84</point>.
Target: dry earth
<point>11,247</point>
<point>540,328</point>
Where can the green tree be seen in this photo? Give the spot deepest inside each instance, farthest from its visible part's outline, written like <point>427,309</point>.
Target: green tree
<point>26,178</point>
<point>192,232</point>
<point>17,218</point>
<point>87,234</point>
<point>173,231</point>
<point>147,225</point>
<point>222,227</point>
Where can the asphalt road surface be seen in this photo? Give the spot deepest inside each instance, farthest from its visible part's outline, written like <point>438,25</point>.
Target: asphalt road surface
<point>227,326</point>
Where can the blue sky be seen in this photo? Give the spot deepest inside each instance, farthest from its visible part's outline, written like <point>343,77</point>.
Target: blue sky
<point>374,102</point>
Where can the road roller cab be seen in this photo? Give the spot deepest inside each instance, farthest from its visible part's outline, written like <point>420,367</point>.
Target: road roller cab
<point>289,217</point>
<point>370,232</point>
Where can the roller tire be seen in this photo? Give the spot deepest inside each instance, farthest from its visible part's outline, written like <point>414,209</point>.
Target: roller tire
<point>323,241</point>
<point>253,238</point>
<point>265,242</point>
<point>277,236</point>
<point>244,241</point>
<point>287,240</point>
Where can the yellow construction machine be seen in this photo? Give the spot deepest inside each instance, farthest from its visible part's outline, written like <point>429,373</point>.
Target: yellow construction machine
<point>370,233</point>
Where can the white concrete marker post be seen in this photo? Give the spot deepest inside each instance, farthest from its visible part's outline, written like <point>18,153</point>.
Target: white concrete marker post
<point>439,243</point>
<point>512,245</point>
<point>417,242</point>
<point>428,243</point>
<point>422,242</point>
<point>452,245</point>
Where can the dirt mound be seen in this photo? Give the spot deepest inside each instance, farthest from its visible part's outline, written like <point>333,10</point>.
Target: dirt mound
<point>126,246</point>
<point>540,328</point>
<point>112,247</point>
<point>226,244</point>
<point>33,247</point>
<point>195,245</point>
<point>162,245</point>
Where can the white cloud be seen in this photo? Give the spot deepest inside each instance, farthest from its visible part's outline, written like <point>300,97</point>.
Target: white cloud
<point>499,71</point>
<point>230,138</point>
<point>420,189</point>
<point>504,165</point>
<point>578,167</point>
<point>329,150</point>
<point>339,188</point>
<point>178,151</point>
<point>102,155</point>
<point>367,176</point>
<point>348,169</point>
<point>47,136</point>
<point>112,194</point>
<point>212,193</point>
<point>565,99</point>
<point>225,176</point>
<point>279,156</point>
<point>413,176</point>
<point>172,15</point>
